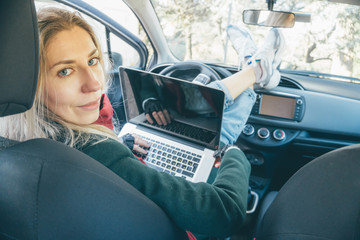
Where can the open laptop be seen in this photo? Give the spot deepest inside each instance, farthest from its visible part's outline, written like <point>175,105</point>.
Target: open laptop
<point>185,147</point>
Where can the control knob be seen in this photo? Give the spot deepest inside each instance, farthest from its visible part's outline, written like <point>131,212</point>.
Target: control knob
<point>248,130</point>
<point>263,133</point>
<point>279,134</point>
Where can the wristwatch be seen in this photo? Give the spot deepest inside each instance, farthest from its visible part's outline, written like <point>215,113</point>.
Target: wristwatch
<point>129,141</point>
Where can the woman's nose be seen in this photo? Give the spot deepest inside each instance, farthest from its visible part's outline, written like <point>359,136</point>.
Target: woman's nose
<point>91,82</point>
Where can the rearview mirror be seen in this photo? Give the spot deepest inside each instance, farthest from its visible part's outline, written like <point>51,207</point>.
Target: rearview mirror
<point>269,18</point>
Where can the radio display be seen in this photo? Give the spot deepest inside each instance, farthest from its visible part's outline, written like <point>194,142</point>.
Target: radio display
<point>277,106</point>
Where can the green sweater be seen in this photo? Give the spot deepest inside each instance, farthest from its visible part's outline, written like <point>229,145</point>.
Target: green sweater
<point>216,209</point>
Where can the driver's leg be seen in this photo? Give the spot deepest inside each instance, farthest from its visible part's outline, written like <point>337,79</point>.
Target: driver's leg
<point>260,69</point>
<point>239,95</point>
<point>236,112</point>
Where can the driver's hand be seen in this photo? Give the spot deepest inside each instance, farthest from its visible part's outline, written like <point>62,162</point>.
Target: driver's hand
<point>155,112</point>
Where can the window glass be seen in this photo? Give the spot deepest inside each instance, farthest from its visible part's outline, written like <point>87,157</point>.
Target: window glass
<point>120,12</point>
<point>329,43</point>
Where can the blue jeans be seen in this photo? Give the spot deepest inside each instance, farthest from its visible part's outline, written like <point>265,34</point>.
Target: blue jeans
<point>236,112</point>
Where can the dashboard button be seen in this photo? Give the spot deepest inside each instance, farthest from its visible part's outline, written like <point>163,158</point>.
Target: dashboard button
<point>248,130</point>
<point>279,134</point>
<point>263,133</point>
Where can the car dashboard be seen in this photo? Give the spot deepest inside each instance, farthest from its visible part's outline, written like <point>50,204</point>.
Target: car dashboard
<point>292,124</point>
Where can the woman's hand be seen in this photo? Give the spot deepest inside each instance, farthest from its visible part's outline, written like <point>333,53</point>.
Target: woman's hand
<point>140,145</point>
<point>155,112</point>
<point>135,143</point>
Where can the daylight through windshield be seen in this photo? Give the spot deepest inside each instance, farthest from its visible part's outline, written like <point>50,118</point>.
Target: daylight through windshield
<point>195,30</point>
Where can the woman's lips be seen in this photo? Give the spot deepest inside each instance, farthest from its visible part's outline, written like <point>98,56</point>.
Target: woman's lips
<point>91,105</point>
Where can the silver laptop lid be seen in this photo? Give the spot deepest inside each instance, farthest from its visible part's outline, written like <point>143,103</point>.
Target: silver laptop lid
<point>196,110</point>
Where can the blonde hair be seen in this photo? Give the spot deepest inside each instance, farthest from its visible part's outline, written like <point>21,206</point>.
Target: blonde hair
<point>39,121</point>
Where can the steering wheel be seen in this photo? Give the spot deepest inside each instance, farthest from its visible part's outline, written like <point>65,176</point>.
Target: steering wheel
<point>189,70</point>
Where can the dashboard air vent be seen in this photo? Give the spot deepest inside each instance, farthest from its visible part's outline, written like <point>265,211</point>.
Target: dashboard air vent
<point>289,83</point>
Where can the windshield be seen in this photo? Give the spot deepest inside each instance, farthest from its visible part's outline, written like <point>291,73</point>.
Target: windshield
<point>195,30</point>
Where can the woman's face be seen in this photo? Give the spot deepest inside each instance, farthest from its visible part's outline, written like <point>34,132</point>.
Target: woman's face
<point>74,78</point>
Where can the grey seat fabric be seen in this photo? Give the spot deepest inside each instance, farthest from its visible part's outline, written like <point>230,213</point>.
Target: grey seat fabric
<point>49,190</point>
<point>266,202</point>
<point>6,143</point>
<point>321,201</point>
<point>19,56</point>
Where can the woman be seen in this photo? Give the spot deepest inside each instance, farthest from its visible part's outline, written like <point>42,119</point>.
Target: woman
<point>67,103</point>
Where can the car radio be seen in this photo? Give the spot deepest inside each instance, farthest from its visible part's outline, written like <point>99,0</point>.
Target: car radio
<point>279,105</point>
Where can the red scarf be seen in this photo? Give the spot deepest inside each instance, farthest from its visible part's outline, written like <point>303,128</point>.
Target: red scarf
<point>106,113</point>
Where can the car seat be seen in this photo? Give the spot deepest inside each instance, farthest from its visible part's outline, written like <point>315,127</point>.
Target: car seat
<point>49,190</point>
<point>320,202</point>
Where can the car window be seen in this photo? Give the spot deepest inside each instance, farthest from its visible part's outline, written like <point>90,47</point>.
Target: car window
<point>122,14</point>
<point>121,52</point>
<point>196,30</point>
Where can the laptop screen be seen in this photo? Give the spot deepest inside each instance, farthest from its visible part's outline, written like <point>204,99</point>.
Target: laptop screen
<point>196,110</point>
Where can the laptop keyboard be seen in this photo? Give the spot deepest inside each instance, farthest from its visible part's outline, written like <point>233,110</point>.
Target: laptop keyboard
<point>188,131</point>
<point>170,159</point>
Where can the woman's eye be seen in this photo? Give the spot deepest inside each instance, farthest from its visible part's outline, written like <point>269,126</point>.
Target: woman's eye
<point>65,72</point>
<point>93,61</point>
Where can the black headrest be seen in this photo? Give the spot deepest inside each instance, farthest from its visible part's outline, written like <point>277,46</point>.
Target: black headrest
<point>19,53</point>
